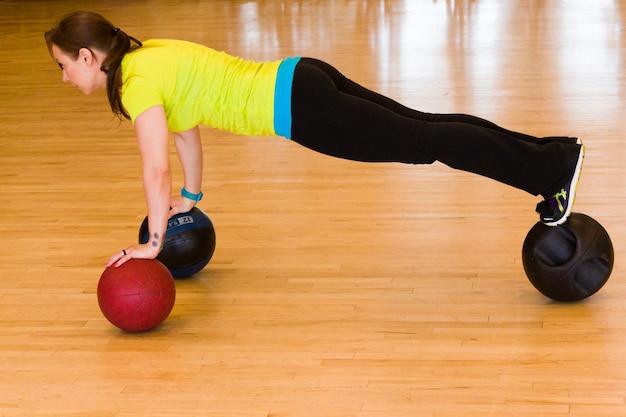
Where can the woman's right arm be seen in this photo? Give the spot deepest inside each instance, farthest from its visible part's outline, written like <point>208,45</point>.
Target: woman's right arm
<point>189,148</point>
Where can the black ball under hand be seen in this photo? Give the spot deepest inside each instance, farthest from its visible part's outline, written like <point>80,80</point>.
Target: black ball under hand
<point>189,242</point>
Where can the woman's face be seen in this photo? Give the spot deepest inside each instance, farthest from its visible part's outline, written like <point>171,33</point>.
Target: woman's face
<point>84,72</point>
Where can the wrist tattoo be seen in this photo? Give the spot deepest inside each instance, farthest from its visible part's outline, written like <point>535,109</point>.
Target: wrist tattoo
<point>156,241</point>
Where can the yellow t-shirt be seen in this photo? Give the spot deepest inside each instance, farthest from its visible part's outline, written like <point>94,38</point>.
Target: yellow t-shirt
<point>198,85</point>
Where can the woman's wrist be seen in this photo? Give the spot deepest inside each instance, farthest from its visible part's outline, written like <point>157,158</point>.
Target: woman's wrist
<point>190,195</point>
<point>155,243</point>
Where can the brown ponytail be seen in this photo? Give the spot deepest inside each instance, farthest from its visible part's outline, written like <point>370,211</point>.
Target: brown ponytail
<point>92,31</point>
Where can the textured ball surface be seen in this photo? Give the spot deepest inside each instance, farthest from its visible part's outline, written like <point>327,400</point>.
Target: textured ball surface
<point>138,295</point>
<point>189,242</point>
<point>568,262</point>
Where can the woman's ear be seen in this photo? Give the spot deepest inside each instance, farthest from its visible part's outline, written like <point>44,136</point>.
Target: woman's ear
<point>85,55</point>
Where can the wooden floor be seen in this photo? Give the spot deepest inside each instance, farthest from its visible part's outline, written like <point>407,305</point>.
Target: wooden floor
<point>337,289</point>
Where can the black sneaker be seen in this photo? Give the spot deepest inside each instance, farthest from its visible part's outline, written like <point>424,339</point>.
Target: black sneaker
<point>556,209</point>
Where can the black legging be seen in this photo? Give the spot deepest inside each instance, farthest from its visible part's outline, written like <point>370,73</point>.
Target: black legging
<point>336,116</point>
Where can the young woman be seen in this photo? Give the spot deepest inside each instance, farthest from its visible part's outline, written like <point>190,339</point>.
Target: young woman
<point>168,86</point>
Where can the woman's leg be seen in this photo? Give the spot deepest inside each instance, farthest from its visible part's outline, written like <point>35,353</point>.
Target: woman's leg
<point>336,116</point>
<point>349,87</point>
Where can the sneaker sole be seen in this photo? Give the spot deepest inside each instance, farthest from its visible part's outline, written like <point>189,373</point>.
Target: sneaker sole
<point>572,191</point>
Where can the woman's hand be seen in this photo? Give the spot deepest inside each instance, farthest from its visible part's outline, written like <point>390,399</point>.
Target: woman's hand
<point>180,204</point>
<point>144,251</point>
<point>147,251</point>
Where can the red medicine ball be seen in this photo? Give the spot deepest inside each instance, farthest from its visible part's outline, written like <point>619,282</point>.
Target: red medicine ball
<point>138,295</point>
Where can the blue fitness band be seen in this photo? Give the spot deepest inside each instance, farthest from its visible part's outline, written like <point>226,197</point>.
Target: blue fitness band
<point>191,196</point>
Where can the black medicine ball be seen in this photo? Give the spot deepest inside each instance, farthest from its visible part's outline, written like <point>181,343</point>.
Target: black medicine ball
<point>568,262</point>
<point>189,242</point>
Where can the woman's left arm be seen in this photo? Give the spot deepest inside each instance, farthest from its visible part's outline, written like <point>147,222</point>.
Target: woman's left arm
<point>153,137</point>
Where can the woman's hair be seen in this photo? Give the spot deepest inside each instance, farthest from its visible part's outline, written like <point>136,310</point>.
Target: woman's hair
<point>92,31</point>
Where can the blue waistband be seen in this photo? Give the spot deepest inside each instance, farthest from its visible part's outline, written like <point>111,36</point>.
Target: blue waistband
<point>282,96</point>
